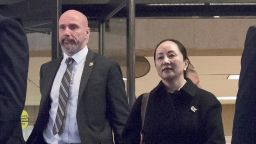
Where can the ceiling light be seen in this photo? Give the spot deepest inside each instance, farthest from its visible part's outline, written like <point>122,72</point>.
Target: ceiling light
<point>233,77</point>
<point>175,4</point>
<point>226,98</point>
<point>239,4</point>
<point>216,16</point>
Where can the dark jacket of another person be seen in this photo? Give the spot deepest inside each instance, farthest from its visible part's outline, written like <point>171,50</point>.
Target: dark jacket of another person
<point>244,129</point>
<point>13,80</point>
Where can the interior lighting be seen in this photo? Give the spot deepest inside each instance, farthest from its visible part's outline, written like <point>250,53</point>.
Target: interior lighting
<point>233,77</point>
<point>222,98</point>
<point>175,4</point>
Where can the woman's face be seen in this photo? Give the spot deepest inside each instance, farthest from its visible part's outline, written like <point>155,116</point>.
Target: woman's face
<point>169,61</point>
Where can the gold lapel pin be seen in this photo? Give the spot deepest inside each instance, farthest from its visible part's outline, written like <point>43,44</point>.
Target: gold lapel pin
<point>91,64</point>
<point>193,109</point>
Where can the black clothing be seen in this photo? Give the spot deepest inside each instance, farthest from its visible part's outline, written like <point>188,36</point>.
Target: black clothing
<point>188,116</point>
<point>14,61</point>
<point>244,128</point>
<point>102,107</point>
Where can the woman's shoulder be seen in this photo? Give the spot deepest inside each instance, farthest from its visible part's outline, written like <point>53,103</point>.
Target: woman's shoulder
<point>200,95</point>
<point>206,98</point>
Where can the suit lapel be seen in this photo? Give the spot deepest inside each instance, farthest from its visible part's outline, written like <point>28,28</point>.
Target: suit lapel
<point>50,75</point>
<point>88,66</point>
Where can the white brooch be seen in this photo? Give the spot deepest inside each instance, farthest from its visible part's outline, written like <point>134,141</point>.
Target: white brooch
<point>91,64</point>
<point>193,109</point>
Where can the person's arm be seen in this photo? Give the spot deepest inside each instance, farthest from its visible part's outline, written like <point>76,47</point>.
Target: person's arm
<point>13,77</point>
<point>244,127</point>
<point>214,133</point>
<point>36,136</point>
<point>132,131</point>
<point>117,101</point>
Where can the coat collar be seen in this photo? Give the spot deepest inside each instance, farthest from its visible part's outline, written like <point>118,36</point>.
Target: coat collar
<point>189,88</point>
<point>50,73</point>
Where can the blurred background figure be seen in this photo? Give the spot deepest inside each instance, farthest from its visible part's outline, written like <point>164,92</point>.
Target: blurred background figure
<point>244,126</point>
<point>192,74</point>
<point>14,59</point>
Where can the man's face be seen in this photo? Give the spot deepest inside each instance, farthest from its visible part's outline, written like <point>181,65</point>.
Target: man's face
<point>73,32</point>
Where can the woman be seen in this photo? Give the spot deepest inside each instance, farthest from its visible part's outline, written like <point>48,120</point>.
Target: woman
<point>178,112</point>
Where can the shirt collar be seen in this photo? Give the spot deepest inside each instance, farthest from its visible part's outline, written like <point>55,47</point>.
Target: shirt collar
<point>79,56</point>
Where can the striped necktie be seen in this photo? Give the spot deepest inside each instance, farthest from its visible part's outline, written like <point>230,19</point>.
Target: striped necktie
<point>64,93</point>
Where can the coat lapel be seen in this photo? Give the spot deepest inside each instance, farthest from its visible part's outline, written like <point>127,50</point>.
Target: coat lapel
<point>88,66</point>
<point>50,75</point>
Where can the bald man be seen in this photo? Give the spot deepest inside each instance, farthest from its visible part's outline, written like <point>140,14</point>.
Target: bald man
<point>83,94</point>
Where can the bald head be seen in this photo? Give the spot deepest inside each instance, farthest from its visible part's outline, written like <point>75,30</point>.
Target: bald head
<point>75,15</point>
<point>73,31</point>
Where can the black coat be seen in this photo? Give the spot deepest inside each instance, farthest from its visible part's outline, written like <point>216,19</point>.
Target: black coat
<point>189,116</point>
<point>13,79</point>
<point>244,128</point>
<point>102,103</point>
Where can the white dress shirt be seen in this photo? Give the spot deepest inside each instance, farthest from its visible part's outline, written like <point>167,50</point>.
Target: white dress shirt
<point>70,133</point>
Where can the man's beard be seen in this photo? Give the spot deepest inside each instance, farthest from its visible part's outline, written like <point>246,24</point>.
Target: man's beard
<point>70,46</point>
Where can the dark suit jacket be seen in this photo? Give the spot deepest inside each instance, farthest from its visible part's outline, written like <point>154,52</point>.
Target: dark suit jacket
<point>102,102</point>
<point>244,128</point>
<point>170,119</point>
<point>13,80</point>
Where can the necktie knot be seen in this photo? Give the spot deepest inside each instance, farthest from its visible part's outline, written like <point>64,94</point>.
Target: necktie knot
<point>69,61</point>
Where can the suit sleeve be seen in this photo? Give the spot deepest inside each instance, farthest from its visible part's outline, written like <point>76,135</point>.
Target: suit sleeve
<point>117,100</point>
<point>36,136</point>
<point>13,77</point>
<point>131,133</point>
<point>244,127</point>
